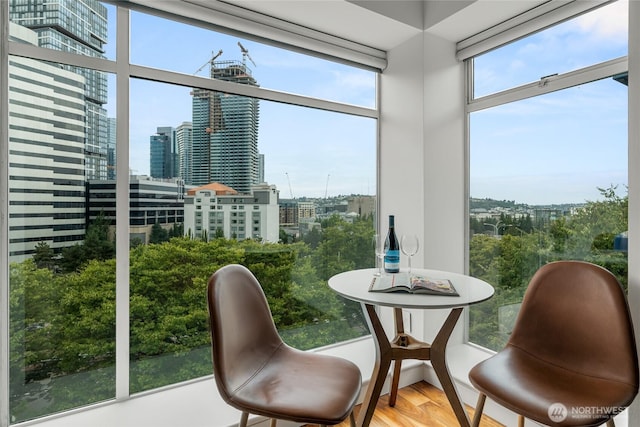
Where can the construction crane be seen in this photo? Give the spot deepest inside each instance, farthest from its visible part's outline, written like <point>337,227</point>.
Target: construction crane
<point>326,188</point>
<point>210,61</point>
<point>245,55</point>
<point>289,181</point>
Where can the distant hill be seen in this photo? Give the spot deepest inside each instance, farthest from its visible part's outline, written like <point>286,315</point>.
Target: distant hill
<point>475,203</point>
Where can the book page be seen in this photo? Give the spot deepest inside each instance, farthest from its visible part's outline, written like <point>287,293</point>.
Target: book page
<point>432,285</point>
<point>390,282</point>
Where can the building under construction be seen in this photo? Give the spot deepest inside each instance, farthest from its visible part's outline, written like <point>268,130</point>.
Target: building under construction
<point>225,131</point>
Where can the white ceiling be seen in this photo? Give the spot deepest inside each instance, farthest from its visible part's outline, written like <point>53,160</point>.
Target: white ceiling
<point>384,24</point>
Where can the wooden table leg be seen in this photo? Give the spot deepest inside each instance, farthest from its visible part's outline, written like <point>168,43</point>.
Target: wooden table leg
<point>406,347</point>
<point>380,369</point>
<point>397,364</point>
<point>438,361</point>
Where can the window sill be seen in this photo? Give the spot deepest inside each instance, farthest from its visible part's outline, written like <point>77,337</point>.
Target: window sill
<point>198,404</point>
<point>195,403</point>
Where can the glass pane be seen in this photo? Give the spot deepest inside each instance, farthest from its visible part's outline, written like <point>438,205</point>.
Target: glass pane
<point>170,45</point>
<point>548,182</point>
<point>85,27</point>
<point>62,267</point>
<point>222,163</point>
<point>589,39</point>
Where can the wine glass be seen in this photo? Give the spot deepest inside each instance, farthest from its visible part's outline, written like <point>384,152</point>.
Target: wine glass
<point>378,245</point>
<point>409,245</point>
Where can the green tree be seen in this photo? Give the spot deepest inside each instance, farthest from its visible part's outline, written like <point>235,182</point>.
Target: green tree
<point>344,246</point>
<point>313,237</point>
<point>283,237</point>
<point>63,323</point>
<point>510,261</point>
<point>85,326</point>
<point>97,243</point>
<point>168,313</point>
<point>177,230</point>
<point>158,234</point>
<point>96,246</point>
<point>44,256</point>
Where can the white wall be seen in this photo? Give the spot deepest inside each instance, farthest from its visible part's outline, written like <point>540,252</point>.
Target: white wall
<point>444,156</point>
<point>401,148</point>
<point>422,162</point>
<point>445,167</point>
<point>401,153</point>
<point>423,153</point>
<point>423,148</point>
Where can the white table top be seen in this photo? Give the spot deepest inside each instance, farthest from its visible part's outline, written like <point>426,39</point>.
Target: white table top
<point>354,285</point>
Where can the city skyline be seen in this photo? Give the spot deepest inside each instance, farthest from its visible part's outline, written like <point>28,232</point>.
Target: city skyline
<point>315,144</point>
<point>59,134</point>
<point>587,39</point>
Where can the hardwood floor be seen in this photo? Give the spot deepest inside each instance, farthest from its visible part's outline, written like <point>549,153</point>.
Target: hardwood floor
<point>418,405</point>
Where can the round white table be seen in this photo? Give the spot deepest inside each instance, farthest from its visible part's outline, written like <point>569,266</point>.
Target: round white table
<point>354,285</point>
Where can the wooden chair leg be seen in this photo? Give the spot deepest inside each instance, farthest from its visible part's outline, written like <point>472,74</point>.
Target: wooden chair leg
<point>273,422</point>
<point>243,419</point>
<point>520,421</point>
<point>352,419</point>
<point>611,423</point>
<point>479,408</point>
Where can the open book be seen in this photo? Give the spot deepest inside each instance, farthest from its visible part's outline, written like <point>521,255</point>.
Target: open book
<point>415,284</point>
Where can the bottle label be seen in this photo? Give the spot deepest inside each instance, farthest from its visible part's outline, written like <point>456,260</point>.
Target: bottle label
<point>392,261</point>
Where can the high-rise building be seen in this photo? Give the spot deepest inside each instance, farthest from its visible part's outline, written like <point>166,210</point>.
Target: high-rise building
<point>111,148</point>
<point>46,154</point>
<point>78,26</point>
<point>261,166</point>
<point>225,132</point>
<point>163,153</point>
<point>184,142</point>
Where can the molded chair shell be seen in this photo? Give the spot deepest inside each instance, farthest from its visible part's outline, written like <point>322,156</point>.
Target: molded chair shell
<point>256,372</point>
<point>572,345</point>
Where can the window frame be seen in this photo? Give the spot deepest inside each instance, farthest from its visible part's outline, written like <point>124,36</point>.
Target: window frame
<point>124,71</point>
<point>545,85</point>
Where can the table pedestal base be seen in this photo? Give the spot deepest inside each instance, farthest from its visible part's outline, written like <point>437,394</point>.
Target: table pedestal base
<point>402,347</point>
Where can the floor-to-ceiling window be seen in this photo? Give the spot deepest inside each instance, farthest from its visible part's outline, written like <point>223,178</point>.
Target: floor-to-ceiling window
<point>220,170</point>
<point>548,159</point>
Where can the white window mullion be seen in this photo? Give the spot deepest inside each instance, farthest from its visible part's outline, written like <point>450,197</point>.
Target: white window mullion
<point>551,84</point>
<point>4,218</point>
<point>122,205</point>
<point>153,74</point>
<point>46,54</point>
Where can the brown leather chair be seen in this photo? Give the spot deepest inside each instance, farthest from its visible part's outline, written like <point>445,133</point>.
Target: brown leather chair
<point>256,372</point>
<point>571,359</point>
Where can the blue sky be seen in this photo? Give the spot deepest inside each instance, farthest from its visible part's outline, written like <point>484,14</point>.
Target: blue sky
<point>560,147</point>
<point>311,149</point>
<point>551,149</point>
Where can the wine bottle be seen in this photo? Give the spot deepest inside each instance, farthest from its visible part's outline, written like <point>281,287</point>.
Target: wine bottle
<point>392,249</point>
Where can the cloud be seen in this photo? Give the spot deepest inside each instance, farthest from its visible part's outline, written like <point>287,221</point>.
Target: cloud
<point>610,22</point>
